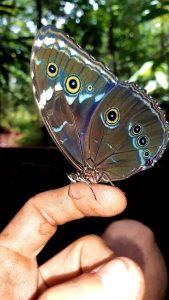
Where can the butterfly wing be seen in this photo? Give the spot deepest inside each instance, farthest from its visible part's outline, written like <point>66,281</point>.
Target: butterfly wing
<point>68,84</point>
<point>127,133</point>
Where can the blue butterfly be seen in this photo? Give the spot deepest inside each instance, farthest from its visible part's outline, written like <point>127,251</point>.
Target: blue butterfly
<point>109,130</point>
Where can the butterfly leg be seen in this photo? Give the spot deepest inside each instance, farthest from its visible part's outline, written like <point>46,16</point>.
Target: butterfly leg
<point>105,176</point>
<point>80,177</point>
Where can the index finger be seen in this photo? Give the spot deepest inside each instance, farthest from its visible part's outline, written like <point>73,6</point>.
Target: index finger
<point>37,221</point>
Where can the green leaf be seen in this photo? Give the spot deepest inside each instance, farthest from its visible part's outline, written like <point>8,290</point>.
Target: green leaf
<point>154,13</point>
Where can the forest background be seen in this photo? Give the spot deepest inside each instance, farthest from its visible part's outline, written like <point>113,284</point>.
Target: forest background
<point>131,37</point>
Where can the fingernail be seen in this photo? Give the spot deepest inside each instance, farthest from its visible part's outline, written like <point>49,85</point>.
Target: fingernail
<point>120,279</point>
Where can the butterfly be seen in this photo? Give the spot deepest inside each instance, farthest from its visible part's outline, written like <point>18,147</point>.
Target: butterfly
<point>109,130</point>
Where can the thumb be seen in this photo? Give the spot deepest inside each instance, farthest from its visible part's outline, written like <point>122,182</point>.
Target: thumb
<point>119,279</point>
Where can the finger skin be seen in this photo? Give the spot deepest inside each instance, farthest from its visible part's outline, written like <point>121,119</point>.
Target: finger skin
<point>81,256</point>
<point>18,276</point>
<point>136,241</point>
<point>119,279</point>
<point>37,220</point>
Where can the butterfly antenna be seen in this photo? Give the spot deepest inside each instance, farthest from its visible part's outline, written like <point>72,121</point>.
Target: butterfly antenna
<point>40,165</point>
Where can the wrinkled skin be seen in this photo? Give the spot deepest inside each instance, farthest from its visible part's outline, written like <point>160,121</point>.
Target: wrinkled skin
<point>89,268</point>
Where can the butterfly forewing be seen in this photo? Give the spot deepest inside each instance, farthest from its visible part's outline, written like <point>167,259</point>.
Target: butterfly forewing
<point>67,113</point>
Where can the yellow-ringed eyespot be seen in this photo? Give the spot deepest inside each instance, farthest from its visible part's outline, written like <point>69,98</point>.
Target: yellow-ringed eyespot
<point>90,88</point>
<point>52,70</point>
<point>136,129</point>
<point>142,141</point>
<point>73,84</point>
<point>111,116</point>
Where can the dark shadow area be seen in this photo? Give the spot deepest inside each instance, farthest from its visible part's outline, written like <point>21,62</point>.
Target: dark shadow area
<point>28,171</point>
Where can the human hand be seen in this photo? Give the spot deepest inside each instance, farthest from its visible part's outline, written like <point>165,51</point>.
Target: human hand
<point>86,269</point>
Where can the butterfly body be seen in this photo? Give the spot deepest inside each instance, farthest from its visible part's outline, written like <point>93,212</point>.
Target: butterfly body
<point>109,130</point>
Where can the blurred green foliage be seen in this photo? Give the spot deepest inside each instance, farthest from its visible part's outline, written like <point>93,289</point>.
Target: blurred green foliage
<point>130,36</point>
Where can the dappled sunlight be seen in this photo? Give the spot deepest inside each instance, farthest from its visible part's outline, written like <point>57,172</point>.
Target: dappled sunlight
<point>131,39</point>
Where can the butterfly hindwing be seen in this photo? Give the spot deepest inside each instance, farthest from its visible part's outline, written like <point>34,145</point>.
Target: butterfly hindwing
<point>126,134</point>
